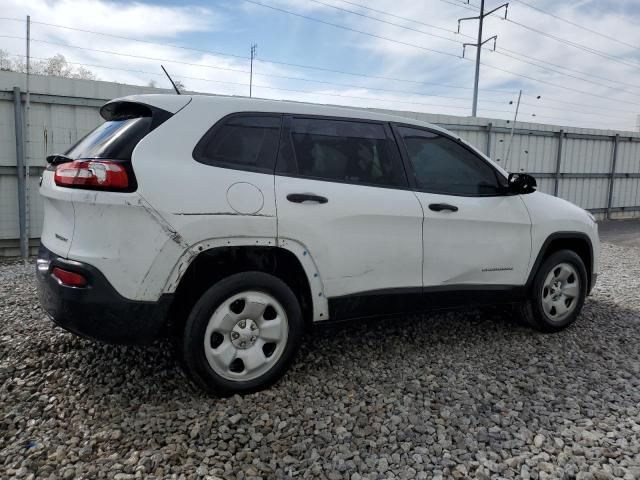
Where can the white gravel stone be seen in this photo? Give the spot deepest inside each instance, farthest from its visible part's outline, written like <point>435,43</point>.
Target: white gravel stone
<point>465,394</point>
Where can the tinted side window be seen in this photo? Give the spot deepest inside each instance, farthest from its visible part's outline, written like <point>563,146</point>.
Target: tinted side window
<point>243,141</point>
<point>442,165</point>
<point>346,151</point>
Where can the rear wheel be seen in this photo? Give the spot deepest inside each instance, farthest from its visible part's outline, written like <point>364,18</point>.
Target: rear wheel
<point>558,292</point>
<point>242,334</point>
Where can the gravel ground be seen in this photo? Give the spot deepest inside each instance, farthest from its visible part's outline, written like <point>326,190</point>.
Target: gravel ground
<point>457,395</point>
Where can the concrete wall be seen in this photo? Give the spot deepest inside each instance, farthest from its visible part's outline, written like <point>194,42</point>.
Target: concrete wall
<point>573,163</point>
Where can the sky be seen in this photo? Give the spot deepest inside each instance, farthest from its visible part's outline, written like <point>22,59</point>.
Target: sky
<point>577,62</point>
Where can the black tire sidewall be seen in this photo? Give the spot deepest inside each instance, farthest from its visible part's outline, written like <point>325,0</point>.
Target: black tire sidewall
<point>193,338</point>
<point>541,319</point>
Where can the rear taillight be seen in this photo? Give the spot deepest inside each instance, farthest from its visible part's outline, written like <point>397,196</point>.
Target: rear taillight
<point>100,174</point>
<point>70,279</point>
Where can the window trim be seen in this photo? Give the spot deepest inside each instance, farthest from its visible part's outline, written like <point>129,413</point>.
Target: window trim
<point>213,130</point>
<point>286,137</point>
<point>412,175</point>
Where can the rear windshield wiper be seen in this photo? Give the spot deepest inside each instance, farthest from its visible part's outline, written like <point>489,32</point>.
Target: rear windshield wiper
<point>58,158</point>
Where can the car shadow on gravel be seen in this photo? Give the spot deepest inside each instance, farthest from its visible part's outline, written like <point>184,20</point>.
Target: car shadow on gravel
<point>399,346</point>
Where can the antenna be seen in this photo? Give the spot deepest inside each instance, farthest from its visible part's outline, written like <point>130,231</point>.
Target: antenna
<point>169,77</point>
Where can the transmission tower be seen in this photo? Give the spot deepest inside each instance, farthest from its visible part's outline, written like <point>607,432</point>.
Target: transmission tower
<point>254,47</point>
<point>478,46</point>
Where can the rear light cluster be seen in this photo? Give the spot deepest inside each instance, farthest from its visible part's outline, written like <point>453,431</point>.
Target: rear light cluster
<point>98,174</point>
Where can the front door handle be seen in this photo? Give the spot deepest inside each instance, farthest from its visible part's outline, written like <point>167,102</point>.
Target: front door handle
<point>306,197</point>
<point>438,207</point>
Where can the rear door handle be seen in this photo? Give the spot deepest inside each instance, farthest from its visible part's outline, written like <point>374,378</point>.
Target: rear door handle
<point>306,197</point>
<point>438,207</point>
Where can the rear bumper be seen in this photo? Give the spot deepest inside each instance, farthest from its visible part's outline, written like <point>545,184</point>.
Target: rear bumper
<point>97,311</point>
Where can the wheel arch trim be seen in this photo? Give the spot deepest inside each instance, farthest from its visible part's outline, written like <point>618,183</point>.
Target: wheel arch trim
<point>318,298</point>
<point>569,235</point>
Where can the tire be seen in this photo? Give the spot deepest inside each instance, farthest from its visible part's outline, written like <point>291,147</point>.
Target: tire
<point>242,334</point>
<point>547,299</point>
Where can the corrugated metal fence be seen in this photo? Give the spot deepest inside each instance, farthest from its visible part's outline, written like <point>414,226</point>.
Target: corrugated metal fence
<point>596,169</point>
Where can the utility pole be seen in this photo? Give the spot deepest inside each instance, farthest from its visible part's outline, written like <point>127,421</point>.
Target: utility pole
<point>27,104</point>
<point>513,126</point>
<point>253,55</point>
<point>478,45</point>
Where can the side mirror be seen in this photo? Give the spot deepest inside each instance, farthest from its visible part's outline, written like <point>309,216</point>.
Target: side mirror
<point>522,183</point>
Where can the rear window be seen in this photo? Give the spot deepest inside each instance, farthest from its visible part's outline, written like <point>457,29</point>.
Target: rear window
<point>245,142</point>
<point>114,139</point>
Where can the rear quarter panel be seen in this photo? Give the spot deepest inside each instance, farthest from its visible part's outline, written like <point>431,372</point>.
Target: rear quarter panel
<point>193,198</point>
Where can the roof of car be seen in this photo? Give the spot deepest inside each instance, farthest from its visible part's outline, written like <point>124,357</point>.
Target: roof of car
<point>173,103</point>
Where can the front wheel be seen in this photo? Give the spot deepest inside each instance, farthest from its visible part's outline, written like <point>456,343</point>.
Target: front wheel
<point>558,292</point>
<point>242,334</point>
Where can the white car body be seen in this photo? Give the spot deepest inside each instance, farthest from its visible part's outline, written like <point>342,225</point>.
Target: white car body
<point>364,240</point>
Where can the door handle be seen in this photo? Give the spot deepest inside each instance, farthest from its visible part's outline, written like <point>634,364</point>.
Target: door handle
<point>306,197</point>
<point>438,207</point>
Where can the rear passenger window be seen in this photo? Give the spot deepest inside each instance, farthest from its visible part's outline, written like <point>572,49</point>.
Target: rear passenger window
<point>246,142</point>
<point>345,151</point>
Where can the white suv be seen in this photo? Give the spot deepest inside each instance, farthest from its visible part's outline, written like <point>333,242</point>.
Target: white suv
<point>233,224</point>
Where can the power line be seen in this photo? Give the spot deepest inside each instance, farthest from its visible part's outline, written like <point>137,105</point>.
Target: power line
<point>379,77</point>
<point>303,66</point>
<point>561,86</point>
<point>581,112</point>
<point>500,50</point>
<point>281,76</point>
<point>343,27</point>
<point>581,72</point>
<point>122,37</point>
<point>385,21</point>
<point>267,87</point>
<point>286,77</point>
<point>579,46</point>
<point>444,29</point>
<point>567,74</point>
<point>413,103</point>
<point>106,67</point>
<point>564,102</point>
<point>456,41</point>
<point>275,62</point>
<point>307,92</point>
<point>562,119</point>
<point>456,4</point>
<point>545,12</point>
<point>436,51</point>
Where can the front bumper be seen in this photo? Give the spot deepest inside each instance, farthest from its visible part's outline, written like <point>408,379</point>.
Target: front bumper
<point>97,310</point>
